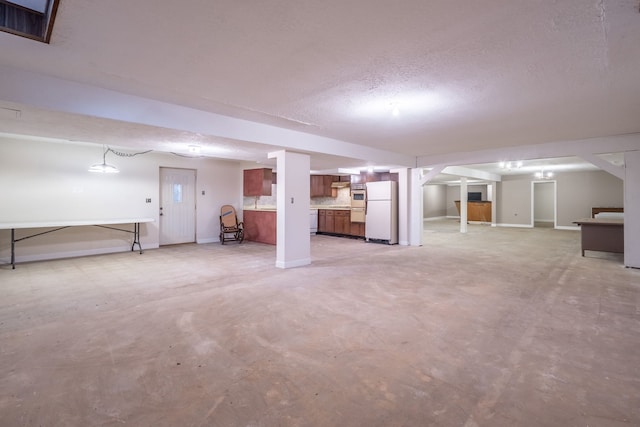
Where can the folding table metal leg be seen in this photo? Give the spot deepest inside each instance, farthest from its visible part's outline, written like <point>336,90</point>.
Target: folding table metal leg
<point>136,236</point>
<point>13,248</point>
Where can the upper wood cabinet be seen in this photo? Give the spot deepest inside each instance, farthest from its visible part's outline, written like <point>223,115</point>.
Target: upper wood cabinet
<point>365,177</point>
<point>320,185</point>
<point>257,182</point>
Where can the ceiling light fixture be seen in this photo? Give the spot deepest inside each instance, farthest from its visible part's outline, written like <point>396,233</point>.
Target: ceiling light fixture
<point>544,175</point>
<point>104,167</point>
<point>508,165</point>
<point>395,110</point>
<point>383,105</point>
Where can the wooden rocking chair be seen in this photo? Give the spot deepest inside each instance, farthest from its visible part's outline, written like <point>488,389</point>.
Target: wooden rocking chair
<point>230,228</point>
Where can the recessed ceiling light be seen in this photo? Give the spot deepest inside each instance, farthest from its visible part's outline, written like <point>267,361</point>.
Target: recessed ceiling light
<point>414,103</point>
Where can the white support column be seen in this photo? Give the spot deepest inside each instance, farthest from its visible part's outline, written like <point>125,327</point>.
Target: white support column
<point>415,210</point>
<point>293,241</point>
<point>463,204</point>
<point>632,209</point>
<point>404,207</point>
<point>492,188</point>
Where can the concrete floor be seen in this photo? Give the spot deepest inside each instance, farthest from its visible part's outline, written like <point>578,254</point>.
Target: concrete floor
<point>496,327</point>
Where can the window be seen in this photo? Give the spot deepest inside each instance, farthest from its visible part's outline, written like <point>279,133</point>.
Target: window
<point>177,193</point>
<point>28,18</point>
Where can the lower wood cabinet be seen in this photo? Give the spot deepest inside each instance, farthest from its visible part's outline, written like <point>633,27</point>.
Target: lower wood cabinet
<point>338,221</point>
<point>357,229</point>
<point>477,211</point>
<point>342,222</point>
<point>260,226</point>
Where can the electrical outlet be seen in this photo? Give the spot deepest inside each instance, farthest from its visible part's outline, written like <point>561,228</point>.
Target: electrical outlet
<point>148,200</point>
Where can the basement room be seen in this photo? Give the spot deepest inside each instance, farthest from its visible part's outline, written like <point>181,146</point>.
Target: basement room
<point>319,213</point>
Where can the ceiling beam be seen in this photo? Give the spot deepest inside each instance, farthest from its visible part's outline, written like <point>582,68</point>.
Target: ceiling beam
<point>617,171</point>
<point>56,94</point>
<point>600,145</point>
<point>472,173</point>
<point>431,174</point>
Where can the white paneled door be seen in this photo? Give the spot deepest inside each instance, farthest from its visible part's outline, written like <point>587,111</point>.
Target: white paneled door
<point>177,206</point>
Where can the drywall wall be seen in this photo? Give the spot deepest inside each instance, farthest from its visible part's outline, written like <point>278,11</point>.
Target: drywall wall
<point>434,201</point>
<point>453,194</point>
<point>578,192</point>
<point>543,201</point>
<point>632,209</point>
<point>47,181</point>
<point>514,202</point>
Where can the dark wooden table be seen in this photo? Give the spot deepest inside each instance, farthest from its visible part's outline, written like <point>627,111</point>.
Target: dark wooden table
<point>602,234</point>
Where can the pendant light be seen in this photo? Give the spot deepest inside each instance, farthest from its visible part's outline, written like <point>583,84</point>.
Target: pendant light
<point>104,167</point>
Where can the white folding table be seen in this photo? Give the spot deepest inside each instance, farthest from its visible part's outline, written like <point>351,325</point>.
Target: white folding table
<point>60,225</point>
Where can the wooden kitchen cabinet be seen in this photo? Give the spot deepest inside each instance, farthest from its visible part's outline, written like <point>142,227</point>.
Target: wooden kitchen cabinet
<point>342,222</point>
<point>477,211</point>
<point>257,182</point>
<point>356,229</point>
<point>260,226</point>
<point>320,185</point>
<point>365,177</point>
<point>322,220</point>
<point>338,221</point>
<point>316,183</point>
<point>326,221</point>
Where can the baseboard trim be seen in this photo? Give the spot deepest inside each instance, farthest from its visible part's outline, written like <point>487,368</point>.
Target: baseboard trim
<point>435,218</point>
<point>568,227</point>
<point>77,254</point>
<point>294,263</point>
<point>515,225</point>
<point>208,240</point>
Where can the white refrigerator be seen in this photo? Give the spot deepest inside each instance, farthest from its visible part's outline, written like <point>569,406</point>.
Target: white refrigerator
<point>381,219</point>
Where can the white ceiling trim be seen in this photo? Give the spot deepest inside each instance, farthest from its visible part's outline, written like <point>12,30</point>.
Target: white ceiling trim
<point>71,97</point>
<point>471,173</point>
<point>614,170</point>
<point>431,174</point>
<point>590,146</point>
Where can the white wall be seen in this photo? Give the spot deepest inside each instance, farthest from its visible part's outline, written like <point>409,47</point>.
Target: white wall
<point>543,201</point>
<point>632,209</point>
<point>453,194</point>
<point>434,200</point>
<point>45,181</point>
<point>577,193</point>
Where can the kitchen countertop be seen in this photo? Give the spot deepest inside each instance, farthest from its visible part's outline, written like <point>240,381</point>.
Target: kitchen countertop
<point>259,208</point>
<point>273,208</point>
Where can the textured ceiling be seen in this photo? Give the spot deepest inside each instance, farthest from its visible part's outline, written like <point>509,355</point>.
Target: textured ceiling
<point>464,75</point>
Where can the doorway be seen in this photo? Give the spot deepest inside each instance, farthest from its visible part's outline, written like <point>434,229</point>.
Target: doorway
<point>177,206</point>
<point>543,204</point>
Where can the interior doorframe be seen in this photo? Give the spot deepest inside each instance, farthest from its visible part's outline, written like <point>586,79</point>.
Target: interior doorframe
<point>555,200</point>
